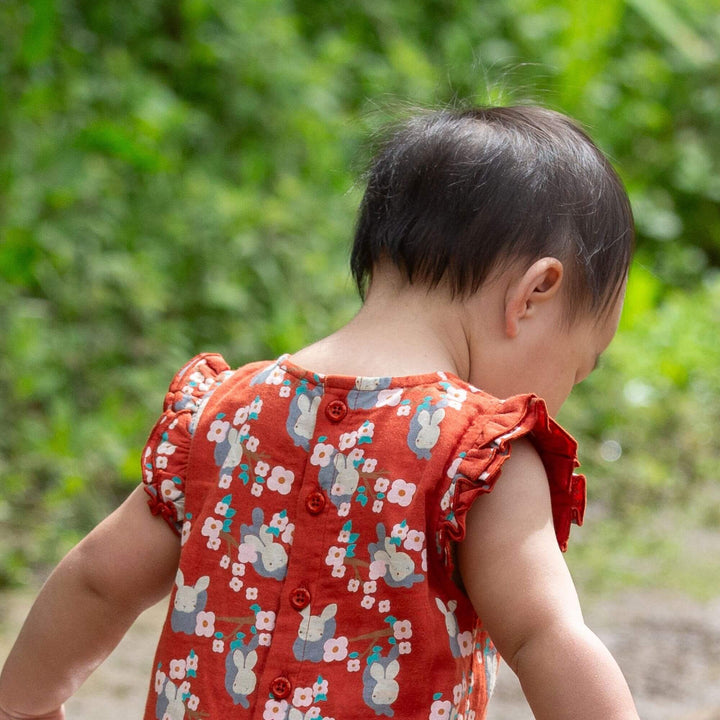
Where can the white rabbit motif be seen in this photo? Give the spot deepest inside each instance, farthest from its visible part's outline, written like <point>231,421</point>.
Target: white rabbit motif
<point>429,431</point>
<point>186,597</point>
<point>386,689</point>
<point>234,456</point>
<point>175,709</point>
<point>399,564</point>
<point>449,612</point>
<point>245,680</point>
<point>305,424</point>
<point>367,383</point>
<point>312,627</point>
<point>272,555</point>
<point>347,478</point>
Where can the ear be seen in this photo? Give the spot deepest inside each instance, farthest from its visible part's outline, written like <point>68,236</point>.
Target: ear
<point>538,284</point>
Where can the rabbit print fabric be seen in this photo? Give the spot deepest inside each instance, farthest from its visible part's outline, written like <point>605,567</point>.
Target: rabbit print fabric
<point>317,517</point>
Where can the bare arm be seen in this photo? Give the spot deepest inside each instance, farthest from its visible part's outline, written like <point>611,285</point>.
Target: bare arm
<point>520,586</point>
<point>125,565</point>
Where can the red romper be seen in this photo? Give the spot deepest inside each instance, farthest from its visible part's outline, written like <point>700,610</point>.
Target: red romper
<point>317,516</point>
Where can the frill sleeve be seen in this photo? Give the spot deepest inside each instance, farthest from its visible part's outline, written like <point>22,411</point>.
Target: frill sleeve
<point>166,454</point>
<point>485,447</point>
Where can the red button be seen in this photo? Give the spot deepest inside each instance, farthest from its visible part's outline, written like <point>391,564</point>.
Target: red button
<point>335,410</point>
<point>280,687</point>
<point>315,502</point>
<point>300,598</point>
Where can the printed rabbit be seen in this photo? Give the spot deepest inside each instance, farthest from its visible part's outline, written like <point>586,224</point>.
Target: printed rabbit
<point>314,631</point>
<point>302,415</point>
<point>424,431</point>
<point>347,477</point>
<point>272,557</point>
<point>380,689</point>
<point>451,624</point>
<point>188,602</point>
<point>240,677</point>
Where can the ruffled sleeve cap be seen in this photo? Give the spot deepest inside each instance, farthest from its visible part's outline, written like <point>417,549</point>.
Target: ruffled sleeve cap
<point>166,454</point>
<point>485,447</point>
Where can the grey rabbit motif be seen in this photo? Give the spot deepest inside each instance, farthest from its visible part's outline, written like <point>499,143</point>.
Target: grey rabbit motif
<point>272,557</point>
<point>380,688</point>
<point>424,431</point>
<point>314,631</point>
<point>339,478</point>
<point>399,566</point>
<point>188,602</point>
<point>302,415</point>
<point>229,452</point>
<point>169,703</point>
<point>240,677</point>
<point>451,624</point>
<point>365,394</point>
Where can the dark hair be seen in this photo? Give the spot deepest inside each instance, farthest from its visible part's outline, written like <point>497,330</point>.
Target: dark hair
<point>453,196</point>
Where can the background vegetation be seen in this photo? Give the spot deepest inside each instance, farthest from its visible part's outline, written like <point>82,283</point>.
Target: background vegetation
<point>181,175</point>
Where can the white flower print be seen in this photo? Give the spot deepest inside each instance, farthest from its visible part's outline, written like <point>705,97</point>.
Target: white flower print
<point>335,555</point>
<point>415,540</point>
<point>338,571</point>
<point>221,508</point>
<point>252,443</point>
<point>284,391</point>
<point>347,440</point>
<point>344,509</point>
<point>440,710</point>
<point>241,416</point>
<point>288,534</point>
<point>244,431</point>
<point>455,397</point>
<point>322,454</point>
<point>353,585</point>
<point>457,693</point>
<point>184,688</point>
<point>353,665</point>
<point>377,506</point>
<point>276,376</point>
<point>160,678</point>
<point>423,556</point>
<point>389,397</point>
<point>166,448</point>
<point>454,465</point>
<point>369,587</point>
<point>225,481</point>
<point>465,641</point>
<point>367,602</point>
<point>382,484</point>
<point>205,624</point>
<point>320,688</point>
<point>212,527</point>
<point>369,465</point>
<point>265,620</point>
<point>262,468</point>
<point>344,536</point>
<point>401,493</point>
<point>275,710</point>
<point>302,697</point>
<point>238,568</point>
<point>403,410</point>
<point>355,455</point>
<point>214,543</point>
<point>256,405</point>
<point>225,562</point>
<point>236,584</point>
<point>335,649</point>
<point>399,530</point>
<point>280,480</point>
<point>161,462</point>
<point>384,606</point>
<point>404,647</point>
<point>217,432</point>
<point>193,702</point>
<point>251,593</point>
<point>191,662</point>
<point>185,532</point>
<point>264,639</point>
<point>177,669</point>
<point>278,521</point>
<point>366,430</point>
<point>256,489</point>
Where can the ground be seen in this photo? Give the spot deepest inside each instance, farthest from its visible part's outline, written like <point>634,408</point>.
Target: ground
<point>667,645</point>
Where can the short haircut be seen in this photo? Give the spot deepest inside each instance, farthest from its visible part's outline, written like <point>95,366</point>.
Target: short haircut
<point>454,196</point>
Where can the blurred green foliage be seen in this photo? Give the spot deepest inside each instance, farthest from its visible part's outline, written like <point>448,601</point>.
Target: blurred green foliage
<point>181,175</point>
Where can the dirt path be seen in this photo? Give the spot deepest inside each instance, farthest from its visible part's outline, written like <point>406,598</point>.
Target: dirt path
<point>668,647</point>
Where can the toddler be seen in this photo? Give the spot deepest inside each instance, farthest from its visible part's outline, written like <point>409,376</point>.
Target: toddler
<point>361,529</point>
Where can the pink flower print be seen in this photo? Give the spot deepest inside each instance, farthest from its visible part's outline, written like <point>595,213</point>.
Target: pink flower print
<point>256,405</point>
<point>252,443</point>
<point>278,521</point>
<point>455,397</point>
<point>302,697</point>
<point>161,462</point>
<point>344,536</point>
<point>367,602</point>
<point>321,688</point>
<point>402,629</point>
<point>275,710</point>
<point>384,606</point>
<point>377,569</point>
<point>338,571</point>
<point>382,484</point>
<point>251,593</point>
<point>335,649</point>
<point>244,430</point>
<point>241,416</point>
<point>211,527</point>
<point>465,641</point>
<point>238,568</point>
<point>177,669</point>
<point>288,534</point>
<point>281,480</point>
<point>369,587</point>
<point>401,493</point>
<point>313,712</point>
<point>193,702</point>
<point>365,431</point>
<point>236,584</point>
<point>205,624</point>
<point>377,506</point>
<point>347,440</point>
<point>353,665</point>
<point>354,584</point>
<point>284,391</point>
<point>265,620</point>
<point>415,540</point>
<point>160,678</point>
<point>264,639</point>
<point>355,455</point>
<point>369,465</point>
<point>335,555</point>
<point>184,688</point>
<point>440,710</point>
<point>403,410</point>
<point>225,481</point>
<point>344,509</point>
<point>246,553</point>
<point>399,530</point>
<point>457,693</point>
<point>214,543</point>
<point>262,468</point>
<point>225,562</point>
<point>191,662</point>
<point>218,431</point>
<point>218,645</point>
<point>221,508</point>
<point>276,376</point>
<point>322,454</point>
<point>404,647</point>
<point>256,489</point>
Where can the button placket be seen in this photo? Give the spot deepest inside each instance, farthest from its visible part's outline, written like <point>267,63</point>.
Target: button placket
<point>280,687</point>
